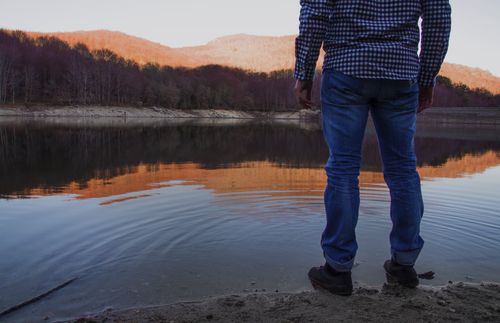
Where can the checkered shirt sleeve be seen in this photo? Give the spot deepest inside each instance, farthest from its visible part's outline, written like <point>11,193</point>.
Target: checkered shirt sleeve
<point>436,26</point>
<point>314,19</point>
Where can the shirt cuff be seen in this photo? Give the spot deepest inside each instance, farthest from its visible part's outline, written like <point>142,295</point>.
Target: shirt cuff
<point>304,74</point>
<point>426,80</point>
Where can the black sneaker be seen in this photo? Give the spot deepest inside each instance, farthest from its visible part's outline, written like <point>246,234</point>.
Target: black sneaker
<point>398,274</point>
<point>336,282</point>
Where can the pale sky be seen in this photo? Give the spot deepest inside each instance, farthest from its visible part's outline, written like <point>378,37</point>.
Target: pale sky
<point>177,23</point>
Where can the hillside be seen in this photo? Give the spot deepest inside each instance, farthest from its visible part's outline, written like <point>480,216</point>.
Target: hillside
<point>472,77</point>
<point>138,49</point>
<point>50,71</point>
<point>256,53</point>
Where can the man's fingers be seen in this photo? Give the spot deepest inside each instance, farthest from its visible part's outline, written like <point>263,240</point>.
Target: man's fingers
<point>305,98</point>
<point>303,90</point>
<point>305,103</point>
<point>425,98</point>
<point>424,105</point>
<point>308,94</point>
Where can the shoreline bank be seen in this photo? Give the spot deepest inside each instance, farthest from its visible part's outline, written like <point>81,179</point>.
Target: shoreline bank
<point>473,116</point>
<point>457,302</point>
<point>149,112</point>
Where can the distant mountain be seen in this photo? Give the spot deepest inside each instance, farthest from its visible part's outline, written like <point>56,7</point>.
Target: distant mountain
<point>256,53</point>
<point>471,76</point>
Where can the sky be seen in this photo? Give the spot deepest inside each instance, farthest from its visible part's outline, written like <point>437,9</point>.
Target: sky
<point>176,23</point>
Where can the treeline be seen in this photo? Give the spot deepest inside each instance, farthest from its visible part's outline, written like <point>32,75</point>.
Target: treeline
<point>48,71</point>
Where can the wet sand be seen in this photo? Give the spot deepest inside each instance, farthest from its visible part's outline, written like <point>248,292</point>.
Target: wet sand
<point>455,302</point>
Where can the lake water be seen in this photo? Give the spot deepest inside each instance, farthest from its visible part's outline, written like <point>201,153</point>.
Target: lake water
<point>156,213</point>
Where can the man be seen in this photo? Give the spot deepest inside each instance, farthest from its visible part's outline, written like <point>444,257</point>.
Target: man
<point>371,66</point>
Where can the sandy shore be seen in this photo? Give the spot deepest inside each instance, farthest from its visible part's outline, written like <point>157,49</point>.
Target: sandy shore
<point>152,112</point>
<point>473,116</point>
<point>455,302</point>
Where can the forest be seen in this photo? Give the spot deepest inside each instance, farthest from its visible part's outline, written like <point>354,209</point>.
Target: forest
<point>48,71</point>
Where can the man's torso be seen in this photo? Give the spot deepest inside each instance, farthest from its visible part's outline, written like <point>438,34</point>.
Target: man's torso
<point>374,38</point>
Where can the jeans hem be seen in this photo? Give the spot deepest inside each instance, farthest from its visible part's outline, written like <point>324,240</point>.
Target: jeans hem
<point>405,258</point>
<point>339,266</point>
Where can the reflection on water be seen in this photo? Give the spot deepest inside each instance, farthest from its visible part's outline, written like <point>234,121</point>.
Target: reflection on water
<point>149,214</point>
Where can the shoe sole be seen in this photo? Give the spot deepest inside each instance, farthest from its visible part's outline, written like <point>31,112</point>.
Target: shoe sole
<point>392,280</point>
<point>317,285</point>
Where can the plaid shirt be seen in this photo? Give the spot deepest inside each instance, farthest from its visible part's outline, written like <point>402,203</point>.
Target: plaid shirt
<point>374,38</point>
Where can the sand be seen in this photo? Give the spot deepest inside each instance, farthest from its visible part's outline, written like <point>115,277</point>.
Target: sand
<point>455,302</point>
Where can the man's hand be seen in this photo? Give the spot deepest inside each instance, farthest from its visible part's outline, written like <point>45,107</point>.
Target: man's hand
<point>303,90</point>
<point>425,99</point>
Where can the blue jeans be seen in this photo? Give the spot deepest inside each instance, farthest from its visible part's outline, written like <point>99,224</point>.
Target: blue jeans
<point>345,103</point>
